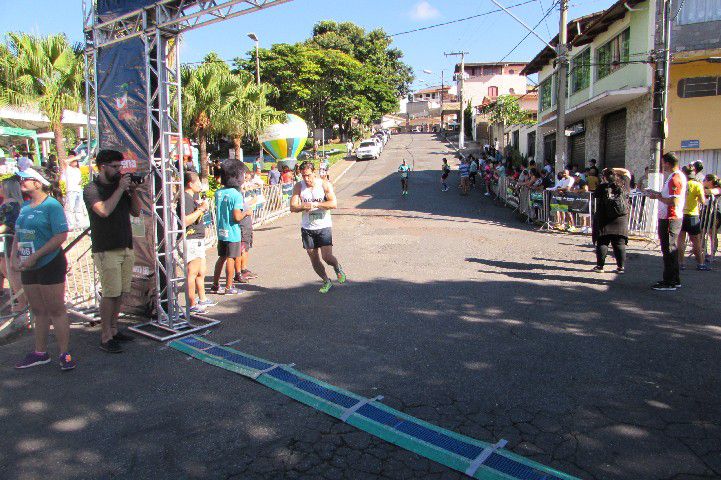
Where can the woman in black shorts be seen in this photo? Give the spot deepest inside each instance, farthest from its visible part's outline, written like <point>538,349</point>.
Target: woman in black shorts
<point>40,232</point>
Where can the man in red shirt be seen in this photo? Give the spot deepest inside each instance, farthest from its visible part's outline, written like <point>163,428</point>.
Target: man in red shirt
<point>671,200</point>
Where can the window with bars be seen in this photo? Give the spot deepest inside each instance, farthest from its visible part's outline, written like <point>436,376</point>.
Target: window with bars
<point>581,71</point>
<point>546,95</point>
<point>493,92</point>
<point>613,55</point>
<point>699,87</point>
<point>699,11</point>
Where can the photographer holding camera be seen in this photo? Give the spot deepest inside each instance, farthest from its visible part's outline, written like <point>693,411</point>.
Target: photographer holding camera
<point>110,199</point>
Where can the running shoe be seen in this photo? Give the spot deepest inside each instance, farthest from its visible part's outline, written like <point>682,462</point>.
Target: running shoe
<point>341,275</point>
<point>33,359</point>
<point>249,274</point>
<point>207,303</point>
<point>241,279</point>
<point>597,269</point>
<point>215,289</point>
<point>197,309</point>
<point>326,286</point>
<point>487,194</point>
<point>67,362</point>
<point>233,291</point>
<point>663,286</point>
<point>703,267</point>
<point>620,270</point>
<point>123,337</point>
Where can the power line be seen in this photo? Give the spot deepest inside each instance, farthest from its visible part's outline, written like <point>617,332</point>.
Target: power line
<point>458,19</point>
<point>548,12</point>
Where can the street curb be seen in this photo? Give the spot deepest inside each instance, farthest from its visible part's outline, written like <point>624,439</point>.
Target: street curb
<point>344,172</point>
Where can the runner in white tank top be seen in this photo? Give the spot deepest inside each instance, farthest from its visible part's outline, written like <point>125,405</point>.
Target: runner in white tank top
<point>314,198</point>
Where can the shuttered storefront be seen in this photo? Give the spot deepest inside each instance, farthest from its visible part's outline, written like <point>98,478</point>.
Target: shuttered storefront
<point>614,139</point>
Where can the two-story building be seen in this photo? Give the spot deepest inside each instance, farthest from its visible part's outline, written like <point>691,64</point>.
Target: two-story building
<point>694,92</point>
<point>489,80</point>
<point>608,108</point>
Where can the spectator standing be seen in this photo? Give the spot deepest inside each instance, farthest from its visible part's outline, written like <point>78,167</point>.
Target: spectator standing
<point>670,216</point>
<point>195,210</point>
<point>111,198</point>
<point>697,171</point>
<point>287,175</point>
<point>40,231</point>
<point>297,177</point>
<point>74,205</point>
<point>610,225</point>
<point>250,199</point>
<point>473,171</point>
<point>273,175</point>
<point>691,224</point>
<point>712,190</point>
<point>323,169</point>
<point>230,210</point>
<point>464,172</point>
<point>258,164</point>
<point>349,148</point>
<point>12,200</point>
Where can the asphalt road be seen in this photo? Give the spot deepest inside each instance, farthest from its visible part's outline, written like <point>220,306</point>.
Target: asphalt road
<point>455,311</point>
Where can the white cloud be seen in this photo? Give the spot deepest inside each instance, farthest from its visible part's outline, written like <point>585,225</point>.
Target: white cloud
<point>424,11</point>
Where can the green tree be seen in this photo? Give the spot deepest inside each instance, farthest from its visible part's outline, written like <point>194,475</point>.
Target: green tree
<point>44,71</point>
<point>247,112</point>
<point>207,89</point>
<point>506,110</point>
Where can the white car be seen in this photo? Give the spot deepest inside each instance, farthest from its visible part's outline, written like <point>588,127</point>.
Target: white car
<point>379,141</point>
<point>368,149</point>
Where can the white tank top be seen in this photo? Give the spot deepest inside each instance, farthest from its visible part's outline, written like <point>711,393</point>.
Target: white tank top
<point>318,218</point>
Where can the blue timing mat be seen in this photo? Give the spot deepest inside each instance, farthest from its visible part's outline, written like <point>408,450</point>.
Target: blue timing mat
<point>474,458</point>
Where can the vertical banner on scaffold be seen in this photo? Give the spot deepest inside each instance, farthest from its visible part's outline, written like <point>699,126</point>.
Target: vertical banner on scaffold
<point>122,125</point>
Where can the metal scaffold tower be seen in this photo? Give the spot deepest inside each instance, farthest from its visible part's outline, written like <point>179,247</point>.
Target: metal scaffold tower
<point>159,25</point>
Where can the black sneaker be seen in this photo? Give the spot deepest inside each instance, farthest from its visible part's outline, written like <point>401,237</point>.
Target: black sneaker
<point>111,346</point>
<point>663,286</point>
<point>597,269</point>
<point>123,337</point>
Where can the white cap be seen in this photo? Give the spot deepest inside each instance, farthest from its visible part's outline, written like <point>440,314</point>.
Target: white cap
<point>24,163</point>
<point>31,173</point>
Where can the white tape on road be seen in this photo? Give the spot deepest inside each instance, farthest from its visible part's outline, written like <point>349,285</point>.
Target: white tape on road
<point>344,171</point>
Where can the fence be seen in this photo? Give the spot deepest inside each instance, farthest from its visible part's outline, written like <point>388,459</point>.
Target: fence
<point>551,208</point>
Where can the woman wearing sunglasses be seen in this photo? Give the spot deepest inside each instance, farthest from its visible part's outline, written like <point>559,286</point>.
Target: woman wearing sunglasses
<point>40,232</point>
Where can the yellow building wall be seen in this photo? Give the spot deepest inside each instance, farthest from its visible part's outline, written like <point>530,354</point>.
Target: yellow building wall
<point>693,118</point>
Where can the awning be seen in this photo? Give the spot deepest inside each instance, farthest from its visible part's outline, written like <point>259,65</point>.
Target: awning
<point>31,118</point>
<point>15,132</point>
<point>605,102</point>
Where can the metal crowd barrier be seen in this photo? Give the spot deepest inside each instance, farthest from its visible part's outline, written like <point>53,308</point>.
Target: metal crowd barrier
<point>547,207</point>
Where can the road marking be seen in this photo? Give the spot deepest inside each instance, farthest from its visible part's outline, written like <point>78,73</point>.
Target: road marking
<point>344,172</point>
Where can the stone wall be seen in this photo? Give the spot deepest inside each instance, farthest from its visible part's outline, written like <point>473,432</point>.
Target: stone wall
<point>638,135</point>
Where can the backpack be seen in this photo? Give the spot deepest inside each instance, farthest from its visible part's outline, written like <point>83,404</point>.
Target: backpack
<point>616,205</point>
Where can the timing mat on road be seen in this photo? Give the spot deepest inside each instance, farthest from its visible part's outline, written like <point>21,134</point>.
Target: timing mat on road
<point>474,458</point>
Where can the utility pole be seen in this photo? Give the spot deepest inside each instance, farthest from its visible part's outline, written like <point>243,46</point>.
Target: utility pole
<point>460,95</point>
<point>562,78</point>
<point>442,94</point>
<point>662,63</point>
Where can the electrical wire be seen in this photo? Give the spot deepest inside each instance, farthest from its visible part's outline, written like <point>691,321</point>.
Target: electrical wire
<point>548,12</point>
<point>678,11</point>
<point>459,19</point>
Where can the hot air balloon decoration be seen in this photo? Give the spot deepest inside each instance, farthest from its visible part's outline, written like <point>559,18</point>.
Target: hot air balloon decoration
<point>285,141</point>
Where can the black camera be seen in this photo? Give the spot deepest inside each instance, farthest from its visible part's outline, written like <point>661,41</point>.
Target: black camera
<point>137,178</point>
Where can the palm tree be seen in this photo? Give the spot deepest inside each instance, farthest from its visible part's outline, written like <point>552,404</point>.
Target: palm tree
<point>43,71</point>
<point>247,113</point>
<point>206,90</point>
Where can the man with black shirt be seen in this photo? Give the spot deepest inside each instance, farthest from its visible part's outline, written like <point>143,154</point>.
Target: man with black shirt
<point>110,199</point>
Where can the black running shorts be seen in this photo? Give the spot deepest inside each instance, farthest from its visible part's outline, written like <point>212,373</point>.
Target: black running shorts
<point>229,249</point>
<point>50,274</point>
<point>316,238</point>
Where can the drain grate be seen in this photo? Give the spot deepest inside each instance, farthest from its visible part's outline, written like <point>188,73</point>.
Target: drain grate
<point>475,458</point>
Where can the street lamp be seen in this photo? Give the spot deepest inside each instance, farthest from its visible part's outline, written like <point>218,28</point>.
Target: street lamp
<point>254,37</point>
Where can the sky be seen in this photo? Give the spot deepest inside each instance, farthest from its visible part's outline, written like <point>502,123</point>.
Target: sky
<point>486,38</point>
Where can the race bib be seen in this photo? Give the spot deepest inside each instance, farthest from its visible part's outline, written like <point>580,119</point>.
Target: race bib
<point>25,249</point>
<point>317,215</point>
<point>404,175</point>
<point>223,233</point>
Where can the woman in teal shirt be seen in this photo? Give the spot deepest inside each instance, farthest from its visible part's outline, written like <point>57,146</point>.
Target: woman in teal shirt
<point>40,232</point>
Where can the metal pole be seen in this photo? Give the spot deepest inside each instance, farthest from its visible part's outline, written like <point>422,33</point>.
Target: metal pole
<point>257,62</point>
<point>562,79</point>
<point>460,96</point>
<point>442,94</point>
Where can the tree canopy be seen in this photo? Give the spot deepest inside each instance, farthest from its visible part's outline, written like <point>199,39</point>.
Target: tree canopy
<point>507,110</point>
<point>339,74</point>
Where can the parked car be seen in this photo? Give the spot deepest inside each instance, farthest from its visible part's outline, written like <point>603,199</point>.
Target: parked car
<point>379,142</point>
<point>368,149</point>
<point>382,137</point>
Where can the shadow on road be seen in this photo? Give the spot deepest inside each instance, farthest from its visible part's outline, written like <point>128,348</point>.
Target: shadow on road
<point>592,385</point>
